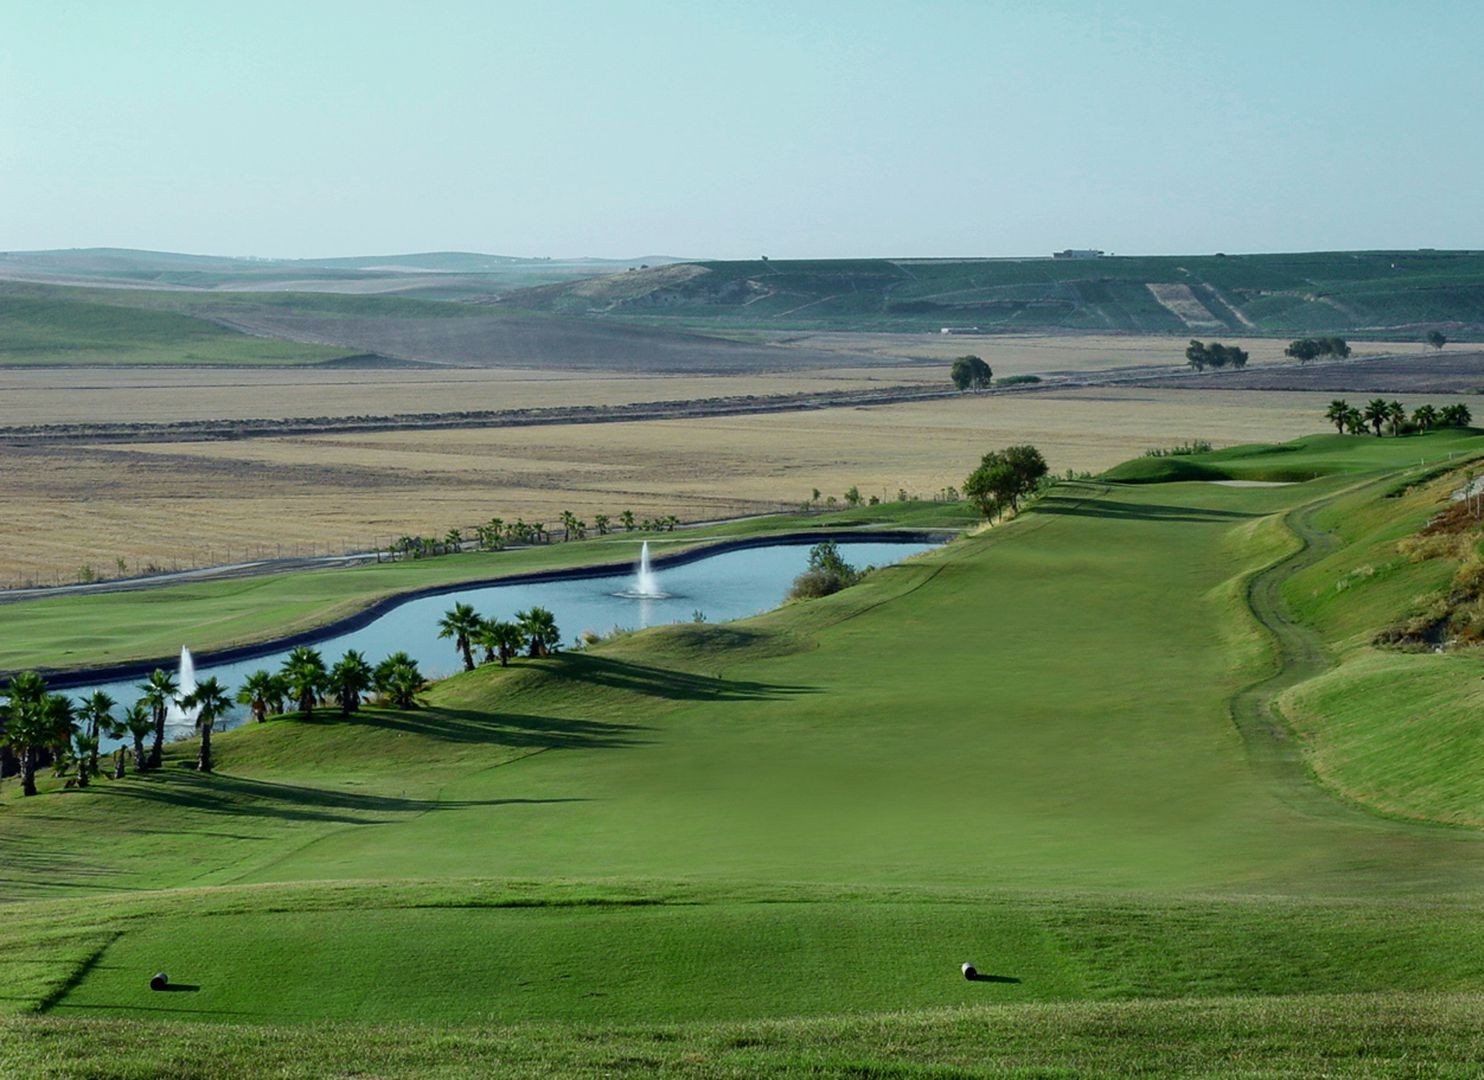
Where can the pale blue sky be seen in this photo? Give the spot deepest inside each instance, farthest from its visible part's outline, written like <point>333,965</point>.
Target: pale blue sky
<point>811,128</point>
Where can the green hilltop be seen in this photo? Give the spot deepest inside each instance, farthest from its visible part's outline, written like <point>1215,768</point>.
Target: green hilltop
<point>1133,754</point>
<point>1378,293</point>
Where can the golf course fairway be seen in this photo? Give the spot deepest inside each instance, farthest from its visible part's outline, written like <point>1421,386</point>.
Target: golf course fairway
<point>1132,754</point>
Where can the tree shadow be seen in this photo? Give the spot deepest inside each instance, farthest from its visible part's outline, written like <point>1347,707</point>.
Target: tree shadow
<point>238,796</point>
<point>980,977</point>
<point>667,683</point>
<point>1104,508</point>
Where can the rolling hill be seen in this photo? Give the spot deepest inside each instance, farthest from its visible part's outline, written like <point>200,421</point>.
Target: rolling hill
<point>1378,293</point>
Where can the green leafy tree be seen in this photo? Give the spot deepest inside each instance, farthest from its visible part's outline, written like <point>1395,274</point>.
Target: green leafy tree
<point>853,496</point>
<point>501,640</point>
<point>1004,477</point>
<point>159,691</point>
<point>538,627</point>
<point>626,519</point>
<point>1436,339</point>
<point>1425,417</point>
<point>209,701</point>
<point>1396,416</point>
<point>970,373</point>
<point>1196,355</point>
<point>461,622</point>
<point>1376,412</point>
<point>1336,413</point>
<point>304,675</point>
<point>1303,350</point>
<point>1354,421</point>
<point>601,522</point>
<point>349,679</point>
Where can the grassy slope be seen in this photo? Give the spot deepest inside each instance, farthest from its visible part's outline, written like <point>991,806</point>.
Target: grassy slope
<point>829,798</point>
<point>65,632</point>
<point>66,331</point>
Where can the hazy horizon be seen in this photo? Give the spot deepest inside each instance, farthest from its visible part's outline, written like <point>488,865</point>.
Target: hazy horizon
<point>616,131</point>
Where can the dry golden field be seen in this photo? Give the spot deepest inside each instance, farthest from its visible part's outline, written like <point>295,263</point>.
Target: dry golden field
<point>210,502</point>
<point>156,395</point>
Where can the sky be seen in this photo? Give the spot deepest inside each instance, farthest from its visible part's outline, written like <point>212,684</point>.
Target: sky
<point>808,128</point>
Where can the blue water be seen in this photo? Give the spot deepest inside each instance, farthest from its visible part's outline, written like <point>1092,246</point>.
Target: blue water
<point>730,585</point>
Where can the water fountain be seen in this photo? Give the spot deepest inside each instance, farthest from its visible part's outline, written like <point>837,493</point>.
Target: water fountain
<point>185,681</point>
<point>646,583</point>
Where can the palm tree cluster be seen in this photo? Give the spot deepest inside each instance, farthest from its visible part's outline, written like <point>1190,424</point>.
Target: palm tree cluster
<point>1379,413</point>
<point>534,630</point>
<point>497,534</point>
<point>307,682</point>
<point>38,726</point>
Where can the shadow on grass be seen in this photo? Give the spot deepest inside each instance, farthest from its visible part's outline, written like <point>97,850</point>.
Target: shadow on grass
<point>241,797</point>
<point>666,683</point>
<point>978,977</point>
<point>1108,508</point>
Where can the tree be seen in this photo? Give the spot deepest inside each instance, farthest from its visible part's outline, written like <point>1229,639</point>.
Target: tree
<point>304,676</point>
<point>210,701</point>
<point>461,622</point>
<point>538,625</point>
<point>601,523</point>
<point>1436,339</point>
<point>1396,416</point>
<point>349,679</point>
<point>1004,477</point>
<point>159,691</point>
<point>453,541</point>
<point>97,711</point>
<point>1303,350</point>
<point>140,722</point>
<point>970,373</point>
<point>569,524</point>
<point>1456,415</point>
<point>1354,421</point>
<point>1424,417</point>
<point>1335,346</point>
<point>1376,412</point>
<point>398,680</point>
<point>828,573</point>
<point>501,640</point>
<point>257,693</point>
<point>853,496</point>
<point>24,730</point>
<point>1196,355</point>
<point>1336,413</point>
<point>626,519</point>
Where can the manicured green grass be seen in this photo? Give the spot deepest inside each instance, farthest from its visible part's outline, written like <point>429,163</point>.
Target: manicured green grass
<point>66,632</point>
<point>1017,750</point>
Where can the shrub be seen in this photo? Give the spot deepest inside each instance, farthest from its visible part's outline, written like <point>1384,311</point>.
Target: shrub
<point>828,573</point>
<point>1019,380</point>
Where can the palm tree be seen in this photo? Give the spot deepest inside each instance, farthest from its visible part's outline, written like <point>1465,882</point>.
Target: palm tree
<point>210,700</point>
<point>1456,415</point>
<point>1335,414</point>
<point>500,640</point>
<point>85,753</point>
<point>139,722</point>
<point>257,693</point>
<point>460,623</point>
<point>454,540</point>
<point>626,519</point>
<point>1425,417</point>
<point>569,524</point>
<point>398,680</point>
<point>1375,412</point>
<point>97,710</point>
<point>349,679</point>
<point>24,729</point>
<point>304,675</point>
<point>159,692</point>
<point>539,628</point>
<point>601,522</point>
<point>1354,421</point>
<point>1396,416</point>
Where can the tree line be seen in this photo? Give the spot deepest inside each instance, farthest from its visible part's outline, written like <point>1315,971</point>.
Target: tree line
<point>496,534</point>
<point>1305,349</point>
<point>38,726</point>
<point>1392,415</point>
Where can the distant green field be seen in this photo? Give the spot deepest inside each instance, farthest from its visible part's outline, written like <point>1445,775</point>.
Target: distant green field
<point>766,846</point>
<point>1316,292</point>
<point>49,331</point>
